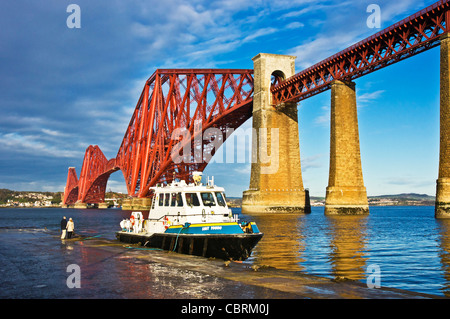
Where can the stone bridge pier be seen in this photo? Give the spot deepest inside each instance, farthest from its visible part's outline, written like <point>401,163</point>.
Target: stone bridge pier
<point>442,207</point>
<point>276,184</point>
<point>346,194</point>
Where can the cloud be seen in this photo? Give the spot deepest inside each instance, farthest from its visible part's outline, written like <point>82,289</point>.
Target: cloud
<point>397,9</point>
<point>29,144</point>
<point>259,33</point>
<point>42,185</point>
<point>324,119</point>
<point>295,25</point>
<point>320,48</point>
<point>312,162</point>
<point>243,169</point>
<point>365,98</point>
<point>317,6</point>
<point>410,182</point>
<point>53,133</point>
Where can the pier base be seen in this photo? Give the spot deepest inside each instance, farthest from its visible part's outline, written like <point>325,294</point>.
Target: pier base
<point>277,201</point>
<point>136,204</point>
<point>102,205</point>
<point>442,207</point>
<point>276,184</point>
<point>346,194</point>
<point>79,205</point>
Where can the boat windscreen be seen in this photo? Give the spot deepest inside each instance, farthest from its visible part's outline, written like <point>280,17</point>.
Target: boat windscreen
<point>220,199</point>
<point>208,199</point>
<point>192,199</point>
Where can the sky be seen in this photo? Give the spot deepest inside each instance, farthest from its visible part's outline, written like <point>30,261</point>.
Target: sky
<point>63,89</point>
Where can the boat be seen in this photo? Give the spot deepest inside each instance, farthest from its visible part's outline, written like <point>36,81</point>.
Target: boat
<point>191,219</point>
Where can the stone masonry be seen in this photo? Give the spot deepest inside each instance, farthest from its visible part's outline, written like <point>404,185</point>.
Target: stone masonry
<point>276,186</point>
<point>442,208</point>
<point>346,194</point>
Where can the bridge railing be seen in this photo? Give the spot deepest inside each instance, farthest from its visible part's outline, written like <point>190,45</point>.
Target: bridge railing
<point>410,36</point>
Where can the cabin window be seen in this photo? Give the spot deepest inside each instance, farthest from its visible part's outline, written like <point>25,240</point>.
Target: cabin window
<point>161,200</point>
<point>179,200</point>
<point>192,199</point>
<point>176,200</point>
<point>208,199</point>
<point>220,199</point>
<point>166,199</point>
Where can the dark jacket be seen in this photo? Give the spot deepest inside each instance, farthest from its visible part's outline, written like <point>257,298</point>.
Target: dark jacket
<point>63,223</point>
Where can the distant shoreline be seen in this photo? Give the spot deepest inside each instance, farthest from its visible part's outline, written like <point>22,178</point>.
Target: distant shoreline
<point>404,199</point>
<point>406,205</point>
<point>25,199</point>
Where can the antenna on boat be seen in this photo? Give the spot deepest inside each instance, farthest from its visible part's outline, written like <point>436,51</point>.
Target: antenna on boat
<point>211,181</point>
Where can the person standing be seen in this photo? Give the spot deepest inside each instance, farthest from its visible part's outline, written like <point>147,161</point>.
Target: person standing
<point>70,228</point>
<point>63,227</point>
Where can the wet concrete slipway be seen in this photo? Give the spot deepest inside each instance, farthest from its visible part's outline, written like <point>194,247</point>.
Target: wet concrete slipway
<point>38,269</point>
<point>110,269</point>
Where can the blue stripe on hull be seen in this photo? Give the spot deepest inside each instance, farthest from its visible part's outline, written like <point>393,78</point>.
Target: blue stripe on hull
<point>207,228</point>
<point>254,227</point>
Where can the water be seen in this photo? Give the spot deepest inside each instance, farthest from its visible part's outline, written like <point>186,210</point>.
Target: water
<point>410,247</point>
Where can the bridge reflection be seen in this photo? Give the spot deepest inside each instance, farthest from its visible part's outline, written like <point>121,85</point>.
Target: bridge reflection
<point>444,253</point>
<point>283,243</point>
<point>348,246</point>
<point>289,244</point>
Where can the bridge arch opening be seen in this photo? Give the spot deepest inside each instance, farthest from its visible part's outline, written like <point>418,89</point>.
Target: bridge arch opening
<point>277,77</point>
<point>116,183</point>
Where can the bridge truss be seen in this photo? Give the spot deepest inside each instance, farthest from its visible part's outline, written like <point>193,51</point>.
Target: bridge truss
<point>187,102</point>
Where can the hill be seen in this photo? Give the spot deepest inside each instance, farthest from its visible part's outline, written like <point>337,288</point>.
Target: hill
<point>404,199</point>
<point>10,198</point>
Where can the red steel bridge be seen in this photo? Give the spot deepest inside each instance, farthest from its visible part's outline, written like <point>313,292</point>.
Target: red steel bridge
<point>179,99</point>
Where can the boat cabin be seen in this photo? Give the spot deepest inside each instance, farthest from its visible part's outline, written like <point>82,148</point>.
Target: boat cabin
<point>179,203</point>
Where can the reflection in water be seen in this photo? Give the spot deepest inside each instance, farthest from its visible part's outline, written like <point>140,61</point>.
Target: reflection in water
<point>282,244</point>
<point>348,246</point>
<point>409,245</point>
<point>444,253</point>
<point>290,242</point>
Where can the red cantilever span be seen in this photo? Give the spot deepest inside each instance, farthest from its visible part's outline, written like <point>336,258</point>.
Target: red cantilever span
<point>413,35</point>
<point>175,101</point>
<point>71,189</point>
<point>172,103</point>
<point>91,186</point>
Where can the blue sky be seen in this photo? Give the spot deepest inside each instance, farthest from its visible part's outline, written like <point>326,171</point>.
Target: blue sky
<point>63,89</point>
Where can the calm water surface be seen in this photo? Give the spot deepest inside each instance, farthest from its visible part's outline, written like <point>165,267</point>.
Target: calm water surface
<point>410,247</point>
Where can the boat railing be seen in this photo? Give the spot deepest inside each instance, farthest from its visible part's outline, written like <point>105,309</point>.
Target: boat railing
<point>234,217</point>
